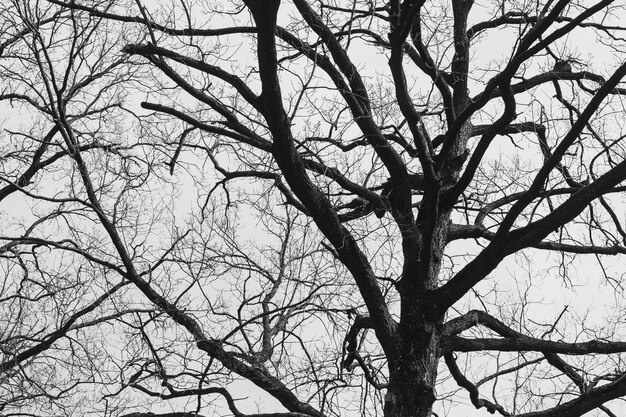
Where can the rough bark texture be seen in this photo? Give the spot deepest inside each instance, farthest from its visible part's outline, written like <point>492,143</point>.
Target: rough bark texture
<point>369,173</point>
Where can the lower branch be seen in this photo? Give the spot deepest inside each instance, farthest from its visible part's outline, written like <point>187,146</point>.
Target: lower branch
<point>471,388</point>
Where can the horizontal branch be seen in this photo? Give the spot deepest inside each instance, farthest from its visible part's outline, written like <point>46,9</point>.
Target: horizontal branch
<point>458,231</point>
<point>529,344</point>
<point>153,25</point>
<point>550,76</point>
<point>522,18</point>
<point>194,414</point>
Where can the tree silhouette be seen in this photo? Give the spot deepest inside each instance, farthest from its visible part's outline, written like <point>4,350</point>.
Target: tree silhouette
<point>318,208</point>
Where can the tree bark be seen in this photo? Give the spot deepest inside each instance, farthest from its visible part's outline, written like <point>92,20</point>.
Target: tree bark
<point>413,376</point>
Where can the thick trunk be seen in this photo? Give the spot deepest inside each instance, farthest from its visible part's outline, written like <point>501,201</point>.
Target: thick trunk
<point>413,372</point>
<point>407,401</point>
<point>413,376</point>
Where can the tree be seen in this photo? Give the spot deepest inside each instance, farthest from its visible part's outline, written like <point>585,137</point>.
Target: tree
<point>336,207</point>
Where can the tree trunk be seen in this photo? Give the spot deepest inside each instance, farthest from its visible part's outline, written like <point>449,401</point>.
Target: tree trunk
<point>413,373</point>
<point>411,391</point>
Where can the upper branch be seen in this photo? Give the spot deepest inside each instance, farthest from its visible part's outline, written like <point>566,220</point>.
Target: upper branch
<point>148,50</point>
<point>361,111</point>
<point>291,165</point>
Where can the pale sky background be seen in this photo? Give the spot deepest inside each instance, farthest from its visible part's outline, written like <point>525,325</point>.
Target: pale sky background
<point>586,294</point>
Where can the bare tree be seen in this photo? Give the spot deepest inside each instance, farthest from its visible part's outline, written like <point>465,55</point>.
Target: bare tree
<point>321,208</point>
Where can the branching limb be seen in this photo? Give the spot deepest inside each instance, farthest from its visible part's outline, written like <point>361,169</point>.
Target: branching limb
<point>148,50</point>
<point>49,340</point>
<point>463,382</point>
<point>290,163</point>
<point>531,234</point>
<point>512,340</point>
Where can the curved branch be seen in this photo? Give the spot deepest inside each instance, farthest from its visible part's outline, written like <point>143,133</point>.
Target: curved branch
<point>463,382</point>
<point>350,342</point>
<point>242,88</point>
